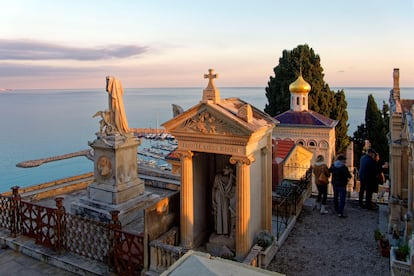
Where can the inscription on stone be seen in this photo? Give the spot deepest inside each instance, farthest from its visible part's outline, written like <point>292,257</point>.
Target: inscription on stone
<point>210,147</point>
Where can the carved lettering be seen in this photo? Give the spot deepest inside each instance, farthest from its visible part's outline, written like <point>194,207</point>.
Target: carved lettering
<point>194,146</point>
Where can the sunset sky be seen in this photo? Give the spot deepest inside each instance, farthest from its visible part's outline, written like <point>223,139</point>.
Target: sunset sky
<point>75,44</point>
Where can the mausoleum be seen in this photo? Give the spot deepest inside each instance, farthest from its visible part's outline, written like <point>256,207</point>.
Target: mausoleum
<point>225,149</point>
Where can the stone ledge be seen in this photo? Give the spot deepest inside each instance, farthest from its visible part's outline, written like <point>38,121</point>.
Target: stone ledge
<point>66,260</point>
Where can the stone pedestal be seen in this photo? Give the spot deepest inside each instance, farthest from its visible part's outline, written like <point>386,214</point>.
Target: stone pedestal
<point>116,186</point>
<point>115,169</point>
<point>221,245</point>
<point>129,211</point>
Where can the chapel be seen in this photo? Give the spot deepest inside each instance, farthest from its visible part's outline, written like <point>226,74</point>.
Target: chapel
<point>308,128</point>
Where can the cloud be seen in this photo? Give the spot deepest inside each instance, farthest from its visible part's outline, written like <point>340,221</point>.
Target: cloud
<point>23,70</point>
<point>37,50</point>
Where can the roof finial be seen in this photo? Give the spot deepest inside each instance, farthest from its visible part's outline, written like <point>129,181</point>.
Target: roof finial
<point>211,93</point>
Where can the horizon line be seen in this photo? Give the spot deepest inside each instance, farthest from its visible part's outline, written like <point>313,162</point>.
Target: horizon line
<point>190,87</point>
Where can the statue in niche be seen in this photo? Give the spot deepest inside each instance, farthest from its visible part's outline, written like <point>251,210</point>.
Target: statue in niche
<point>224,201</point>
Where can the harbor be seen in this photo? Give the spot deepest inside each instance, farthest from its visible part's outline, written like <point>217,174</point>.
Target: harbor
<point>150,153</point>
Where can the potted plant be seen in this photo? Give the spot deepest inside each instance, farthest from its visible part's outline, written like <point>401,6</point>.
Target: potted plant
<point>400,260</point>
<point>377,235</point>
<point>384,246</point>
<point>402,252</point>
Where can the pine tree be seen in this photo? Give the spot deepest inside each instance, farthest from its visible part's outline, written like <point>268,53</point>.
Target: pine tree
<point>321,98</point>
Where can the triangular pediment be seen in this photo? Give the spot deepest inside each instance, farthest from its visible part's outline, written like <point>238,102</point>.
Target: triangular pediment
<point>208,120</point>
<point>299,156</point>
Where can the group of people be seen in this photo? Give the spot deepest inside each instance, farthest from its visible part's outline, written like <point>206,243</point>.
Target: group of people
<point>340,176</point>
<point>368,175</point>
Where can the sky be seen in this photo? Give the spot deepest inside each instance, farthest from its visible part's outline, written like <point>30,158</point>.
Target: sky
<point>69,44</point>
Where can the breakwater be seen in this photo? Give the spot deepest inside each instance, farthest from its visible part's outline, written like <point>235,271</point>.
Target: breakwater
<point>38,162</point>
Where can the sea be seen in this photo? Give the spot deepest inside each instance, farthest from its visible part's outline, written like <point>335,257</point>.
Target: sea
<point>43,123</point>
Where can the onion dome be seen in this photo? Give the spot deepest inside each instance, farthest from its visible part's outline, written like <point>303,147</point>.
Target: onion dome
<point>299,86</point>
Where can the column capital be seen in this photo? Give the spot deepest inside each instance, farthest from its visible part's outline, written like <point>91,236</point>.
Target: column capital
<point>266,150</point>
<point>244,160</point>
<point>185,153</point>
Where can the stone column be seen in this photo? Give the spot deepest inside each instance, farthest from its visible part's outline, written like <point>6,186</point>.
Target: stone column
<point>267,189</point>
<point>187,199</point>
<point>409,226</point>
<point>395,179</point>
<point>243,235</point>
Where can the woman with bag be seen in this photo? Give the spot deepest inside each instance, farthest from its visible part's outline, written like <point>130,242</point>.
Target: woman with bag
<point>321,172</point>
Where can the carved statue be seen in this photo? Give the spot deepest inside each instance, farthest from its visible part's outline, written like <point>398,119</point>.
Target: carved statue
<point>223,196</point>
<point>116,105</point>
<point>177,110</point>
<point>105,127</point>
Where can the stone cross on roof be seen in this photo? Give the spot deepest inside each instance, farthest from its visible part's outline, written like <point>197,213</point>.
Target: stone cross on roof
<point>211,93</point>
<point>211,78</point>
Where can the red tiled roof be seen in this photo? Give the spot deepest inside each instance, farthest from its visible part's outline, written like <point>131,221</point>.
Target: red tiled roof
<point>307,117</point>
<point>173,155</point>
<point>283,148</point>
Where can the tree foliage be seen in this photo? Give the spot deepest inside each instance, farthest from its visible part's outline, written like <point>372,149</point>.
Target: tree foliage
<point>374,130</point>
<point>321,98</point>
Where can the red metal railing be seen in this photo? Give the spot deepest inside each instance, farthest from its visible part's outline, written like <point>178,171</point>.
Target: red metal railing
<point>123,252</point>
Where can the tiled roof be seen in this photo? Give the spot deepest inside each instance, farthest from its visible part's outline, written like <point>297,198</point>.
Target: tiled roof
<point>173,155</point>
<point>307,117</point>
<point>283,147</point>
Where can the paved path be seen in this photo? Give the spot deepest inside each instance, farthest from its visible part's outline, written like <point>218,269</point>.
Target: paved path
<point>329,245</point>
<point>15,263</point>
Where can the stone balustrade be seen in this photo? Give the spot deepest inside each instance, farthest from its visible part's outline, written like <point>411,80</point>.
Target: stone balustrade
<point>164,252</point>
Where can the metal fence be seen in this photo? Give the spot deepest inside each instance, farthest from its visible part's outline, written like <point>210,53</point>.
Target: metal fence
<point>123,252</point>
<point>286,198</point>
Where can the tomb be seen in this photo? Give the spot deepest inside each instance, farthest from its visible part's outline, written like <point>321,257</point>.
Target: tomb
<point>225,149</point>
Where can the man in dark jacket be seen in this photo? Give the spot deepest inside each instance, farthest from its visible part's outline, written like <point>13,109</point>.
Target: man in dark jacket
<point>368,179</point>
<point>340,177</point>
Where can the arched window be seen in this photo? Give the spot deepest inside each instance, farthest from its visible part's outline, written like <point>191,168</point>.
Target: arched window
<point>323,145</point>
<point>297,101</point>
<point>300,142</point>
<point>304,100</point>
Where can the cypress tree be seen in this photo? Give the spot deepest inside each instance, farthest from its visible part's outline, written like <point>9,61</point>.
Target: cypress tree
<point>376,129</point>
<point>321,98</point>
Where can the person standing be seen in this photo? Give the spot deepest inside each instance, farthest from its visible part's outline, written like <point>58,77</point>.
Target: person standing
<point>368,179</point>
<point>322,174</point>
<point>340,177</point>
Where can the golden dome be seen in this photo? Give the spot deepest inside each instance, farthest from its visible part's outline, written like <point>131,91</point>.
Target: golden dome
<point>299,86</point>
